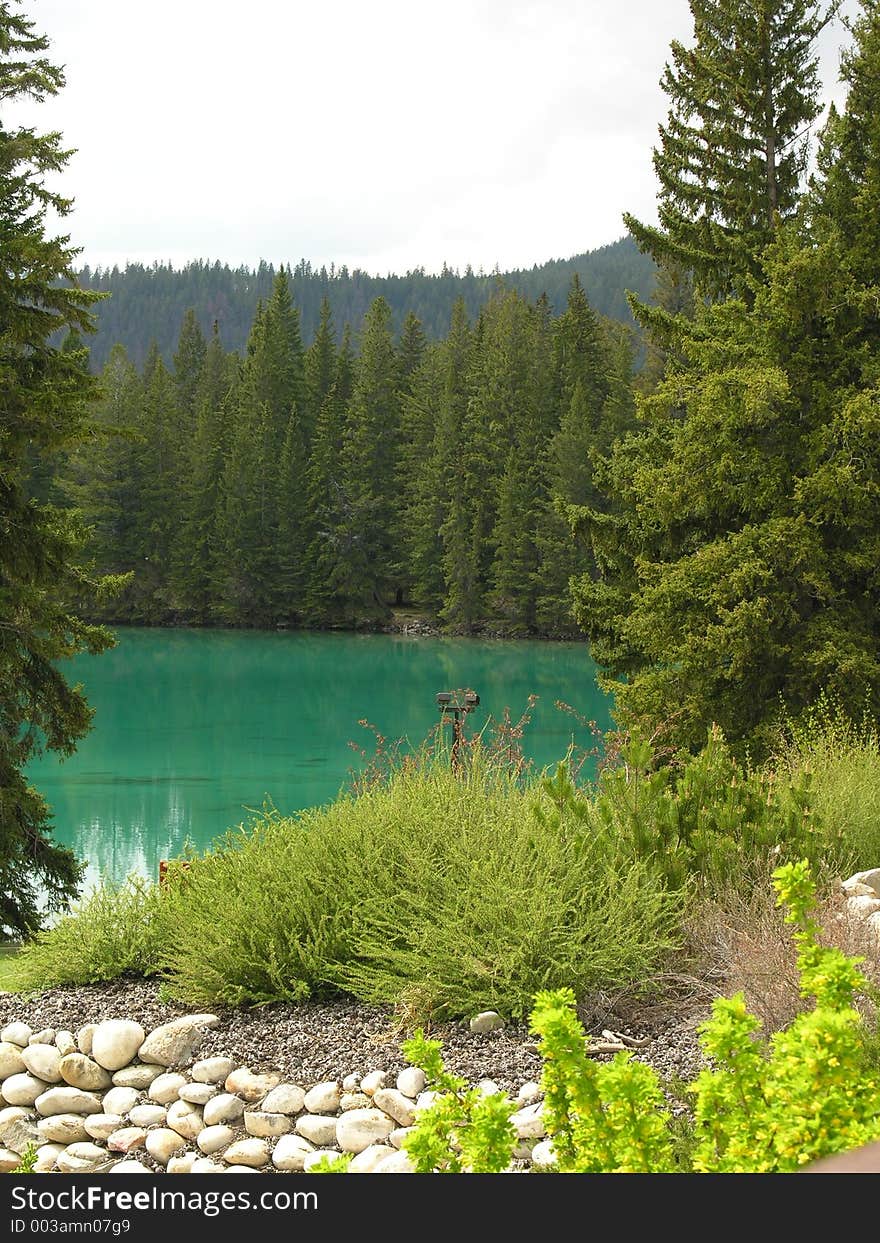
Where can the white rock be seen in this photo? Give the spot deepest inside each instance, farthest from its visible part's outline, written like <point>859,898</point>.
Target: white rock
<point>198,1093</point>
<point>529,1093</point>
<point>165,1088</point>
<point>396,1138</point>
<point>486,1021</point>
<point>212,1069</point>
<point>163,1144</point>
<point>529,1122</point>
<point>9,1160</point>
<point>318,1129</point>
<point>84,1038</point>
<point>46,1035</point>
<point>367,1159</point>
<point>22,1089</point>
<point>870,880</point>
<point>182,1164</point>
<point>47,1155</point>
<point>16,1033</point>
<point>287,1098</point>
<point>137,1076</point>
<point>411,1081</point>
<point>290,1152</point>
<point>204,1165</point>
<point>315,1158</point>
<point>120,1100</point>
<point>102,1126</point>
<point>249,1086</point>
<point>375,1079</point>
<point>10,1114</point>
<point>215,1138</point>
<point>523,1149</point>
<point>185,1119</point>
<point>175,1042</point>
<point>129,1167</point>
<point>397,1163</point>
<point>81,1158</point>
<point>250,1152</point>
<point>20,1134</point>
<point>359,1128</point>
<point>81,1072</point>
<point>354,1100</point>
<point>397,1106</point>
<point>43,1061</point>
<point>543,1156</point>
<point>240,1169</point>
<point>115,1043</point>
<point>63,1128</point>
<point>223,1108</point>
<point>873,923</point>
<point>351,1083</point>
<point>127,1138</point>
<point>488,1087</point>
<point>425,1100</point>
<point>324,1097</point>
<point>67,1100</point>
<point>65,1042</point>
<point>11,1060</point>
<point>264,1125</point>
<point>147,1115</point>
<point>863,905</point>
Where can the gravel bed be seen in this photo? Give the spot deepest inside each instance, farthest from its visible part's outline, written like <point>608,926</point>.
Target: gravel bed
<point>314,1041</point>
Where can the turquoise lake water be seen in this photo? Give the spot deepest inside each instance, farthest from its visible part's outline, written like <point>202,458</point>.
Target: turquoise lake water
<point>193,728</point>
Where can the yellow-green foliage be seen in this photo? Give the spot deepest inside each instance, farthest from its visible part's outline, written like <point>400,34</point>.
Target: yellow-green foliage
<point>763,1107</point>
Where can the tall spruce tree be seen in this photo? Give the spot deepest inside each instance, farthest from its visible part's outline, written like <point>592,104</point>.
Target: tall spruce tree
<point>733,151</point>
<point>45,409</point>
<point>738,568</point>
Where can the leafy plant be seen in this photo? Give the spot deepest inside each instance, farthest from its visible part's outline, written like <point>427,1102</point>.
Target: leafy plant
<point>28,1161</point>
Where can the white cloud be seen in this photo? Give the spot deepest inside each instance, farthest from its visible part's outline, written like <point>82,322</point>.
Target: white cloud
<point>387,135</point>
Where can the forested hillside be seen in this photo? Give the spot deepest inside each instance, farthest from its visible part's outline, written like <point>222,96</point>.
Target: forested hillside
<point>147,304</point>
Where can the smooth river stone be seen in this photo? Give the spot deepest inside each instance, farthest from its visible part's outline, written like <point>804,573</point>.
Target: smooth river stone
<point>375,1079</point>
<point>411,1081</point>
<point>115,1043</point>
<point>175,1042</point>
<point>147,1115</point>
<point>101,1126</point>
<point>318,1129</point>
<point>264,1125</point>
<point>360,1128</point>
<point>43,1060</point>
<point>204,1165</point>
<point>290,1152</point>
<point>354,1100</point>
<point>164,1089</point>
<point>81,1158</point>
<point>130,1167</point>
<point>250,1087</point>
<point>367,1159</point>
<point>84,1038</point>
<point>63,1128</point>
<point>324,1097</point>
<point>120,1100</point>
<point>182,1164</point>
<point>215,1138</point>
<point>46,1035</point>
<point>81,1072</point>
<point>16,1033</point>
<point>529,1122</point>
<point>212,1069</point>
<point>287,1098</point>
<point>10,1114</point>
<point>250,1152</point>
<point>9,1160</point>
<point>65,1042</point>
<point>351,1083</point>
<point>163,1144</point>
<point>223,1108</point>
<point>315,1158</point>
<point>127,1138</point>
<point>529,1093</point>
<point>185,1119</point>
<point>399,1107</point>
<point>47,1155</point>
<point>485,1022</point>
<point>399,1163</point>
<point>139,1076</point>
<point>198,1093</point>
<point>22,1089</point>
<point>67,1100</point>
<point>11,1061</point>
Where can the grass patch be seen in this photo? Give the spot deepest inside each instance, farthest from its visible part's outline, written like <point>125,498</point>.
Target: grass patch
<point>8,967</point>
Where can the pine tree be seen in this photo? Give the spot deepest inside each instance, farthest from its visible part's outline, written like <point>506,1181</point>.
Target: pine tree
<point>320,369</point>
<point>732,153</point>
<point>45,410</point>
<point>189,359</point>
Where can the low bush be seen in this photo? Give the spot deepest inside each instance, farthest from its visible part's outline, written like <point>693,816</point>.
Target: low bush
<point>109,932</point>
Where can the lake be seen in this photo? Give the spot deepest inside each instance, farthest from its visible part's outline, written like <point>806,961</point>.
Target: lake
<point>195,728</point>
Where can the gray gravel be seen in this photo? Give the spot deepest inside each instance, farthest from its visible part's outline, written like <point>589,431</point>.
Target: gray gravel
<point>310,1042</point>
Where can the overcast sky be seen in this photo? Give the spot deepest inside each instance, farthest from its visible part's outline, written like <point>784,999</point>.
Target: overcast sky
<point>384,135</point>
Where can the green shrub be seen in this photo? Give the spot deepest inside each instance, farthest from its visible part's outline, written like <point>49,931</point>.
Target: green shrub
<point>705,816</point>
<point>842,758</point>
<point>761,1107</point>
<point>109,932</point>
<point>433,892</point>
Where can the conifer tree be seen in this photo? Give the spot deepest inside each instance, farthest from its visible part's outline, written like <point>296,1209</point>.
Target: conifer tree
<point>189,358</point>
<point>45,410</point>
